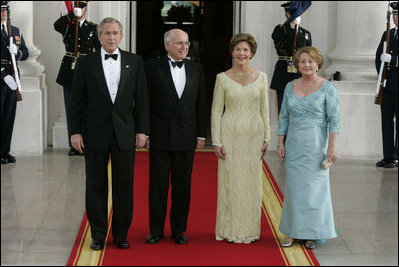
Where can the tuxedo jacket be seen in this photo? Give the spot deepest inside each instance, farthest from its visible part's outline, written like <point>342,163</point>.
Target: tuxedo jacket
<point>176,123</point>
<point>91,102</point>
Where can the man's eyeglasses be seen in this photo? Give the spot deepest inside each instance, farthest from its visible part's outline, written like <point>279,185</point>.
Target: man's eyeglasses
<point>182,43</point>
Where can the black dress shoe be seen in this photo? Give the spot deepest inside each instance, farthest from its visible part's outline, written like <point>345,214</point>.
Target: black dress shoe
<point>4,160</point>
<point>71,152</point>
<point>180,238</point>
<point>381,163</point>
<point>10,158</point>
<point>74,152</point>
<point>121,243</point>
<point>153,239</point>
<point>97,244</point>
<point>392,163</point>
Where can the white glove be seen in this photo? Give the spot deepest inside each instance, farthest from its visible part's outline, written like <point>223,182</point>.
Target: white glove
<point>385,57</point>
<point>78,12</point>
<point>13,49</point>
<point>298,20</point>
<point>9,80</point>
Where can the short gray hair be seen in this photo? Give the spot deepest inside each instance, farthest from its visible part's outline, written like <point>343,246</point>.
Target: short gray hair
<point>168,36</point>
<point>108,20</point>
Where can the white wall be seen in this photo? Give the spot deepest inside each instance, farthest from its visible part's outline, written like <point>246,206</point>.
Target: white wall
<point>50,43</point>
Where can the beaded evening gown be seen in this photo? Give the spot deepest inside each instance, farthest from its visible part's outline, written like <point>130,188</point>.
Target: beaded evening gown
<point>240,123</point>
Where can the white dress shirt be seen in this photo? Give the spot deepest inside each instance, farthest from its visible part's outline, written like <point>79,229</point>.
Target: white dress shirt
<point>179,77</point>
<point>112,72</point>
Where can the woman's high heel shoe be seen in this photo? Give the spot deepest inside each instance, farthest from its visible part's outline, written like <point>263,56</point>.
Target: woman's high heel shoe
<point>288,243</point>
<point>311,244</point>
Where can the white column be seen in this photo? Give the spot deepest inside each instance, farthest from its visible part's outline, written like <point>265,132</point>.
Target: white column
<point>358,32</point>
<point>119,10</point>
<point>359,29</point>
<point>29,135</point>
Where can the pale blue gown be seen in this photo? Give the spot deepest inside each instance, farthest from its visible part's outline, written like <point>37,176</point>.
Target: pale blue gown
<point>306,122</point>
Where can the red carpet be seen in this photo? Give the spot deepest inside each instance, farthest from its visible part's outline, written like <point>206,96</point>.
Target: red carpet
<point>202,248</point>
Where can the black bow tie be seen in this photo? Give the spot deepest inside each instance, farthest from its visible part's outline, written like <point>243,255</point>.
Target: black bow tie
<point>113,56</point>
<point>178,63</point>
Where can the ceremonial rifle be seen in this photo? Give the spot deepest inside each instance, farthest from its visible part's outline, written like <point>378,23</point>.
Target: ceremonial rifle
<point>14,69</point>
<point>76,41</point>
<point>291,68</point>
<point>384,67</point>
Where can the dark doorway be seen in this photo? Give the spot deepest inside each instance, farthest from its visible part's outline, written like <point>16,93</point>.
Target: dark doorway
<point>209,25</point>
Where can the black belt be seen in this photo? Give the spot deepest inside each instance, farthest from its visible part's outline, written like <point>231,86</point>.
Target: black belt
<point>70,54</point>
<point>5,62</point>
<point>286,58</point>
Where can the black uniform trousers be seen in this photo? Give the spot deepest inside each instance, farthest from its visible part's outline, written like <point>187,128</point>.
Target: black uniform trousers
<point>8,109</point>
<point>176,165</point>
<point>122,165</point>
<point>67,91</point>
<point>389,112</point>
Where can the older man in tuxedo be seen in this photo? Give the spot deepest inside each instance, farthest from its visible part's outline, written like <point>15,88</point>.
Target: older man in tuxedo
<point>109,93</point>
<point>177,118</point>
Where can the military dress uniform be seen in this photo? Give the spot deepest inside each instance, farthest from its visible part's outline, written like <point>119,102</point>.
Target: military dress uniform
<point>87,43</point>
<point>8,96</point>
<point>283,37</point>
<point>389,105</point>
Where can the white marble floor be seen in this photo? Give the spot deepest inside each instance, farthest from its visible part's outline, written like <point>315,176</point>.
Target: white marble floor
<point>42,205</point>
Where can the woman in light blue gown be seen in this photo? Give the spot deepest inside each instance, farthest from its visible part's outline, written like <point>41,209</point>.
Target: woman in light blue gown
<point>309,119</point>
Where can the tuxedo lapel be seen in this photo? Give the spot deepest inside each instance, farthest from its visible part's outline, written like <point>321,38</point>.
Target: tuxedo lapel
<point>167,79</point>
<point>98,71</point>
<point>189,75</point>
<point>124,67</point>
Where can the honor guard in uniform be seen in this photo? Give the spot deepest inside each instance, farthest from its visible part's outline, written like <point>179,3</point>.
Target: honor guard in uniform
<point>9,84</point>
<point>389,104</point>
<point>76,45</point>
<point>285,43</point>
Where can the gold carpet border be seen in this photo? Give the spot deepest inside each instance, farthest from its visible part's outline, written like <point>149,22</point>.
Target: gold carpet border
<point>89,257</point>
<point>197,150</point>
<point>296,255</point>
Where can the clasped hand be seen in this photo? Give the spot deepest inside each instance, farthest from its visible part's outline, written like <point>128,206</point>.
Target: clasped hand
<point>13,49</point>
<point>331,154</point>
<point>386,57</point>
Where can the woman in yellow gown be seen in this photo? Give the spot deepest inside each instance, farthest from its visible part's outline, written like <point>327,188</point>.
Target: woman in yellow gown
<point>240,137</point>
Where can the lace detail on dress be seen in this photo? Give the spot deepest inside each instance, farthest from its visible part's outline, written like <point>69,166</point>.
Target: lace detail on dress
<point>240,123</point>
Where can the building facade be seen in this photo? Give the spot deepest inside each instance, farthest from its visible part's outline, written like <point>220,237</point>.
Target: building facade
<point>346,32</point>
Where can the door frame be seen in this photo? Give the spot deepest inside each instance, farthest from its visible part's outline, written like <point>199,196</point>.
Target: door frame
<point>237,22</point>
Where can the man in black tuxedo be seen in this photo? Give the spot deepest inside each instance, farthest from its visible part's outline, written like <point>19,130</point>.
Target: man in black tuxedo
<point>109,93</point>
<point>177,118</point>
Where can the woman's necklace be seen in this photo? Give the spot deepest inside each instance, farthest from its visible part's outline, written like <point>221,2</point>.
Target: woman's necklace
<point>241,77</point>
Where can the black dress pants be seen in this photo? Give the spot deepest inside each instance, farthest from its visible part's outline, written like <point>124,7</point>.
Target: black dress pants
<point>8,110</point>
<point>122,164</point>
<point>389,117</point>
<point>176,165</point>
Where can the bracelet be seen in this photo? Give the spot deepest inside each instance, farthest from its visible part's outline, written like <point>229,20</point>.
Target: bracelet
<point>280,145</point>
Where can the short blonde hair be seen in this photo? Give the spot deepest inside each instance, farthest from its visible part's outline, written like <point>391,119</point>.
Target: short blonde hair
<point>313,52</point>
<point>243,37</point>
